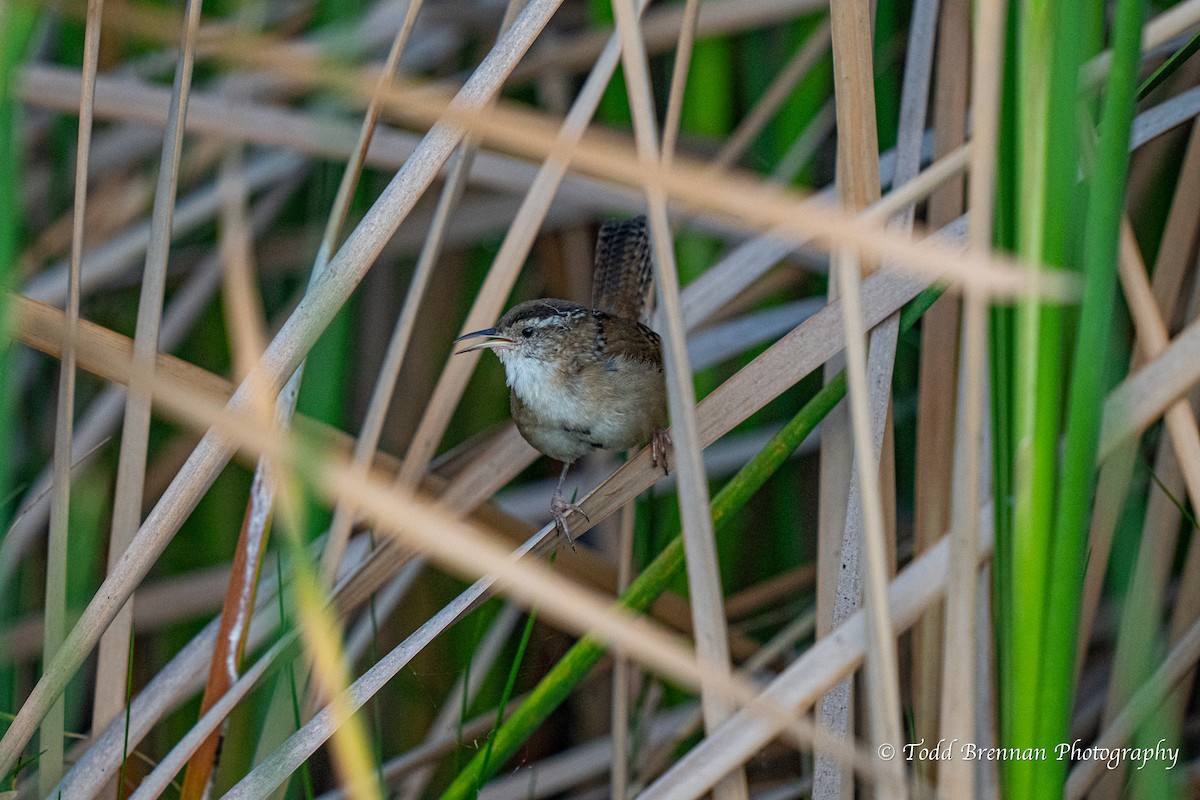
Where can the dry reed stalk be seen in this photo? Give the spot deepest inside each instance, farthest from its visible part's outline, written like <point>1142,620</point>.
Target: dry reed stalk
<point>312,133</point>
<point>368,440</point>
<point>259,504</point>
<point>623,672</point>
<point>938,377</point>
<point>1143,397</point>
<point>957,777</point>
<point>50,764</point>
<point>527,133</point>
<point>679,78</point>
<point>703,568</point>
<point>1157,544</point>
<point>1153,338</point>
<point>113,655</point>
<point>962,609</point>
<point>846,508</point>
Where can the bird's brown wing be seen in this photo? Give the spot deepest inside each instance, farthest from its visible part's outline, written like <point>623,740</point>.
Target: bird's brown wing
<point>624,337</point>
<point>622,283</point>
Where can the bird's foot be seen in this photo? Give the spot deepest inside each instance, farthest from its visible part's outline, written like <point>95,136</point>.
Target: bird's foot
<point>558,509</point>
<point>660,443</point>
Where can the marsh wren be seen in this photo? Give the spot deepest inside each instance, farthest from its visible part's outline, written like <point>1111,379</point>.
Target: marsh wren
<point>584,379</point>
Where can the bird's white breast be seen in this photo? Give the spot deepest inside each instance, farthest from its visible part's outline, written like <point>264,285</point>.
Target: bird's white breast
<point>539,385</point>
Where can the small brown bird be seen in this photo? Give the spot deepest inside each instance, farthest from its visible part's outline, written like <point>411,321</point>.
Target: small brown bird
<point>584,379</point>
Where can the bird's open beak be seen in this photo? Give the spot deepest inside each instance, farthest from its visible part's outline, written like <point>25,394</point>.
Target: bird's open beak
<point>496,342</point>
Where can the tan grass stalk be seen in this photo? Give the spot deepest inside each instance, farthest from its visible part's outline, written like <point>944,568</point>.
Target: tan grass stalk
<point>526,133</point>
<point>389,372</point>
<point>367,441</point>
<point>679,78</point>
<point>623,673</point>
<point>882,669</point>
<point>840,520</point>
<point>938,378</point>
<point>308,132</point>
<point>957,777</point>
<point>745,264</point>
<point>50,763</point>
<point>703,567</point>
<point>113,659</point>
<point>883,339</point>
<point>262,498</point>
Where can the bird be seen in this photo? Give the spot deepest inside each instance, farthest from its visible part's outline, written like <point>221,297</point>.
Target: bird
<point>587,378</point>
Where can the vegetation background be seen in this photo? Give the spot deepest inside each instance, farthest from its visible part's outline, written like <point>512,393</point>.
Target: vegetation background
<point>926,276</point>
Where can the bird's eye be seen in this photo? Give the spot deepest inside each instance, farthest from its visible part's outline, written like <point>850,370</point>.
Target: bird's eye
<point>527,333</point>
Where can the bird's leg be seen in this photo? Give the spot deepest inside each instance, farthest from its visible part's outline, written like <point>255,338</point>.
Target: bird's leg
<point>559,508</point>
<point>659,444</point>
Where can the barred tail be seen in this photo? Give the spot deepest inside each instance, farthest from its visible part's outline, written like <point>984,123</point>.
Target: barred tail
<point>622,284</point>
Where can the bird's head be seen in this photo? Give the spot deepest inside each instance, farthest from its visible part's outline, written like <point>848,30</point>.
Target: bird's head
<point>542,330</point>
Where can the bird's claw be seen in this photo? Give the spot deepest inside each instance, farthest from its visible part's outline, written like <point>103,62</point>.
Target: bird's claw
<point>558,509</point>
<point>659,445</point>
